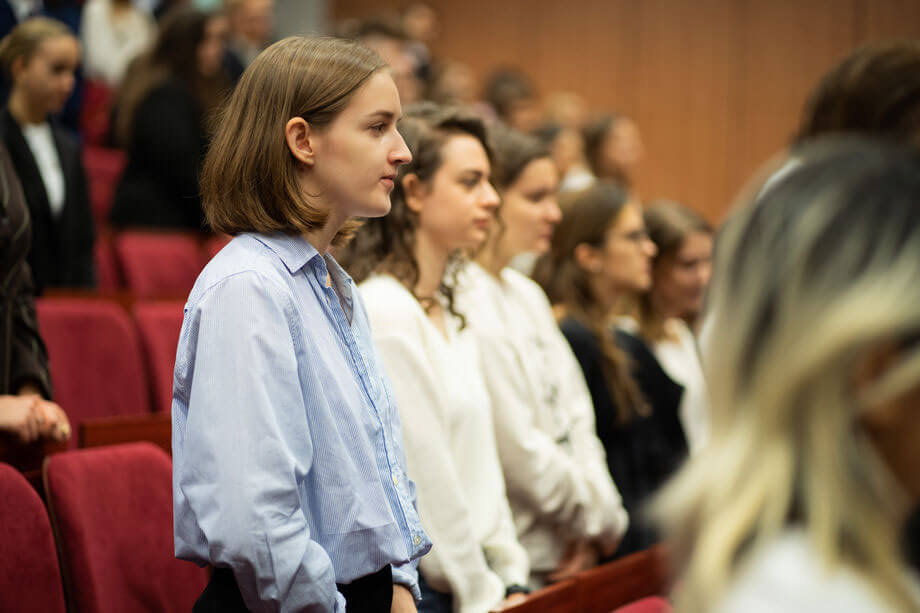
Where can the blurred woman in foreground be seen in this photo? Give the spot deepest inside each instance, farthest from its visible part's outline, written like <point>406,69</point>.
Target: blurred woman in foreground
<point>797,502</point>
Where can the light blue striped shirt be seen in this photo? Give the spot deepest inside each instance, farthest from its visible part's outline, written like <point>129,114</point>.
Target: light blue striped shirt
<point>288,465</point>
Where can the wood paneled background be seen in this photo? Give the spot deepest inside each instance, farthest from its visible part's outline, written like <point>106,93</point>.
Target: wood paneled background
<point>716,86</point>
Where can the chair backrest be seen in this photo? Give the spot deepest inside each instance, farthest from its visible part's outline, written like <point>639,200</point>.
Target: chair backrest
<point>623,581</point>
<point>30,579</point>
<point>159,324</point>
<point>112,512</point>
<point>215,244</point>
<point>108,275</point>
<point>558,598</point>
<point>103,170</point>
<point>94,355</point>
<point>652,604</point>
<point>159,265</point>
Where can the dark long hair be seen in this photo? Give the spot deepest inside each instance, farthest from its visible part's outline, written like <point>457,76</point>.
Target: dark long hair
<point>173,56</point>
<point>386,244</point>
<point>586,218</point>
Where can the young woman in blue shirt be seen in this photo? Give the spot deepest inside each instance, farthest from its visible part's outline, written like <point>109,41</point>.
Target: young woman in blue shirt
<point>289,471</point>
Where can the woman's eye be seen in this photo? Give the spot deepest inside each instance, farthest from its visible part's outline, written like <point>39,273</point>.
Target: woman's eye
<point>379,128</point>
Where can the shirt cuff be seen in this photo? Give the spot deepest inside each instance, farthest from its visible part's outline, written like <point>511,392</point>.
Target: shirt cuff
<point>339,602</point>
<point>406,575</point>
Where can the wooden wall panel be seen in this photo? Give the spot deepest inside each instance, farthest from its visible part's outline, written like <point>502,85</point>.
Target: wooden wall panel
<point>717,86</point>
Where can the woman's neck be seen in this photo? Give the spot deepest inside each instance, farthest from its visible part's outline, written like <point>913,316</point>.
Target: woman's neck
<point>321,238</point>
<point>432,263</point>
<point>22,111</point>
<point>493,258</point>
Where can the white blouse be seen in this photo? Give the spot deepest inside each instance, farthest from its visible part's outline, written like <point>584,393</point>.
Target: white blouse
<point>110,41</point>
<point>450,448</point>
<point>41,143</point>
<point>555,468</point>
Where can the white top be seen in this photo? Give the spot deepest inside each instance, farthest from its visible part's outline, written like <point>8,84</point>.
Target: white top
<point>787,576</point>
<point>41,143</point>
<point>111,42</point>
<point>450,448</point>
<point>679,357</point>
<point>555,469</point>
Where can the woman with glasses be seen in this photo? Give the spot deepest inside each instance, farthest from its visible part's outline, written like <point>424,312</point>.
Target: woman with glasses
<point>600,259</point>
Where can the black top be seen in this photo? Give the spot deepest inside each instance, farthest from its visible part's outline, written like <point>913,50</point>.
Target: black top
<point>23,358</point>
<point>62,246</point>
<point>159,188</point>
<point>641,454</point>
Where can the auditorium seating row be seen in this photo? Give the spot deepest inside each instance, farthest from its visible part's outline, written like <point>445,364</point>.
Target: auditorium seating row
<point>148,264</point>
<point>104,545</point>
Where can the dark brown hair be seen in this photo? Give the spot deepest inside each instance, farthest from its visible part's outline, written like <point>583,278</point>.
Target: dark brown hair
<point>595,134</point>
<point>505,88</point>
<point>172,57</point>
<point>249,179</point>
<point>586,219</point>
<point>875,91</point>
<point>669,224</point>
<point>386,244</point>
<point>513,151</point>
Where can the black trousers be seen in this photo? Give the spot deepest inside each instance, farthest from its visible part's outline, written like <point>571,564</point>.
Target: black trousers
<point>369,594</point>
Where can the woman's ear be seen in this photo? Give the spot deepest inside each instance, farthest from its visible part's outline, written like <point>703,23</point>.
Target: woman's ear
<point>413,190</point>
<point>16,67</point>
<point>298,135</point>
<point>587,259</point>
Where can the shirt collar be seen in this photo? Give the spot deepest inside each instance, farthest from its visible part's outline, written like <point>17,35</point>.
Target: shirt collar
<point>294,251</point>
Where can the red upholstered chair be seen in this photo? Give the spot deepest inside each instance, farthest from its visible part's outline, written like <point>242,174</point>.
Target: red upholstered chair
<point>94,355</point>
<point>215,244</point>
<point>30,581</point>
<point>103,170</point>
<point>623,581</point>
<point>112,512</point>
<point>159,324</point>
<point>159,265</point>
<point>652,604</point>
<point>108,276</point>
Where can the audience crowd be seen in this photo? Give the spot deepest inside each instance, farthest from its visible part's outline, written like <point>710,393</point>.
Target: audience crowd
<point>576,378</point>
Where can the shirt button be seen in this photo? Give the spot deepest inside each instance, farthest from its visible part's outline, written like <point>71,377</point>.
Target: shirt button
<point>395,480</point>
<point>417,540</point>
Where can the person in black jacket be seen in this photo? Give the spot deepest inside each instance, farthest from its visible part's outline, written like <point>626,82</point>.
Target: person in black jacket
<point>40,55</point>
<point>161,119</point>
<point>601,253</point>
<point>25,386</point>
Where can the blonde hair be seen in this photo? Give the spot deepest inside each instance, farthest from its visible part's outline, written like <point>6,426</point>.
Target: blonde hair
<point>25,38</point>
<point>819,270</point>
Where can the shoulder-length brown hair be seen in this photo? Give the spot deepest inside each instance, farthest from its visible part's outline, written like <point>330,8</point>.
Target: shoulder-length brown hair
<point>587,216</point>
<point>249,178</point>
<point>387,244</point>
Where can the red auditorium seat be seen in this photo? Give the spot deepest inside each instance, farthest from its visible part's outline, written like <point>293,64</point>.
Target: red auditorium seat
<point>623,581</point>
<point>103,170</point>
<point>652,604</point>
<point>108,277</point>
<point>30,580</point>
<point>94,355</point>
<point>112,512</point>
<point>159,324</point>
<point>158,265</point>
<point>213,245</point>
